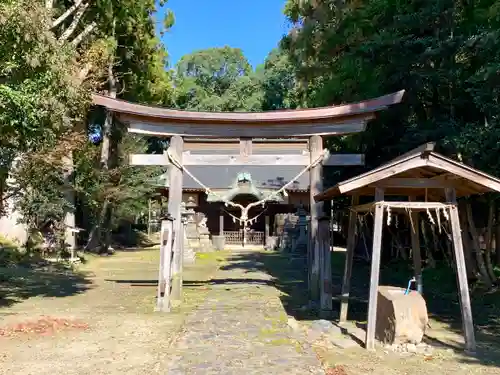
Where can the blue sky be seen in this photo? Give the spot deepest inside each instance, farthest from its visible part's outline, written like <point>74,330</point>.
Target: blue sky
<point>255,26</point>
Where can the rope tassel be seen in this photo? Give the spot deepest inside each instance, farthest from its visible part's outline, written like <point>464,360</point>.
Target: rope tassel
<point>431,219</point>
<point>244,210</point>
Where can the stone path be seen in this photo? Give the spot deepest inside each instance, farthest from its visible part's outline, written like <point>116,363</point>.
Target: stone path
<point>241,327</point>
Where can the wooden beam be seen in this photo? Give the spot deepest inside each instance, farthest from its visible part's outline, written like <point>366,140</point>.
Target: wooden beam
<point>464,171</point>
<point>349,257</point>
<point>414,183</point>
<point>395,205</point>
<point>232,146</point>
<point>415,246</point>
<point>466,187</point>
<point>148,159</point>
<point>174,209</point>
<point>236,119</point>
<point>250,131</point>
<point>316,186</point>
<point>423,149</point>
<point>249,159</point>
<point>380,174</point>
<point>463,285</point>
<point>375,270</point>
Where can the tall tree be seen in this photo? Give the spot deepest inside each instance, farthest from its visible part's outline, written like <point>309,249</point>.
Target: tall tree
<point>217,79</point>
<point>40,98</point>
<point>445,54</point>
<point>278,80</point>
<point>135,71</point>
<point>108,46</point>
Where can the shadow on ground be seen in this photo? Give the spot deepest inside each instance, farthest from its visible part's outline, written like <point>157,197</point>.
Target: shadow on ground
<point>440,293</point>
<point>289,273</point>
<point>289,276</point>
<point>19,283</point>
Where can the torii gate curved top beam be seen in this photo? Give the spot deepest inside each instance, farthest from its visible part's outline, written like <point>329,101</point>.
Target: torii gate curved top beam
<point>341,119</point>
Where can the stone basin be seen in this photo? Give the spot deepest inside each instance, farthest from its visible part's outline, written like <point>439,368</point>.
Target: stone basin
<point>400,318</point>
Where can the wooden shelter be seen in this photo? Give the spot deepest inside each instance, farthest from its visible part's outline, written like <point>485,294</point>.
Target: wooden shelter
<point>307,124</point>
<point>431,182</point>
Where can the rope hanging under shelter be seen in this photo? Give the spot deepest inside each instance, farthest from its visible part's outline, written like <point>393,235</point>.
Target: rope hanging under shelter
<point>389,207</point>
<point>244,210</point>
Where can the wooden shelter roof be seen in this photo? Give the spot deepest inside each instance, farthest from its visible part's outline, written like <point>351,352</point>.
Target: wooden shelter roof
<point>340,119</point>
<point>420,172</point>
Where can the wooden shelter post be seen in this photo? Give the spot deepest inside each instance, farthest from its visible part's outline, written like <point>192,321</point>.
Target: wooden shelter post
<point>349,256</point>
<point>404,176</point>
<point>415,246</point>
<point>375,269</point>
<point>325,261</point>
<point>463,286</point>
<point>174,209</point>
<point>316,208</point>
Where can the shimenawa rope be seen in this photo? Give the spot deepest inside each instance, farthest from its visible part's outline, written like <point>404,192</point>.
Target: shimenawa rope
<point>244,210</point>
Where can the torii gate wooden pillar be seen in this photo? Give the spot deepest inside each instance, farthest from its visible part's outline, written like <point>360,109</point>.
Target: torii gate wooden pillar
<point>309,125</point>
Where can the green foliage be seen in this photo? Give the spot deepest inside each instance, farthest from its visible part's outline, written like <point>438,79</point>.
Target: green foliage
<point>279,83</point>
<point>11,254</point>
<point>444,54</point>
<point>39,97</point>
<point>40,184</point>
<point>45,73</point>
<point>7,243</point>
<point>217,79</point>
<point>125,186</point>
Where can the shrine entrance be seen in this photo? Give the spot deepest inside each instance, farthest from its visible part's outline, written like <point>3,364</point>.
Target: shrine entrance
<point>268,142</point>
<point>246,193</point>
<point>253,234</point>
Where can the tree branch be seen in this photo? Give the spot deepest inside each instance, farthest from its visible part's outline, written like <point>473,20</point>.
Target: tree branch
<point>72,27</point>
<point>83,34</point>
<point>66,14</point>
<point>49,4</point>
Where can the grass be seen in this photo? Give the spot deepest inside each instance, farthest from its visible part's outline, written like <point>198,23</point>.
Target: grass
<point>115,296</point>
<point>442,300</point>
<point>440,293</point>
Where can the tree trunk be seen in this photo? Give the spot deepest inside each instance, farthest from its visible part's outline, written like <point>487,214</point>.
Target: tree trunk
<point>472,271</point>
<point>431,262</point>
<point>483,271</point>
<point>435,240</point>
<point>95,238</point>
<point>497,240</point>
<point>69,212</point>
<point>101,232</point>
<point>489,240</point>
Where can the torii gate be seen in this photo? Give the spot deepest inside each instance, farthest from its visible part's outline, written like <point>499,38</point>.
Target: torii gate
<point>307,124</point>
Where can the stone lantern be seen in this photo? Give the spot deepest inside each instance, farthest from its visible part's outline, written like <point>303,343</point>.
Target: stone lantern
<point>189,254</point>
<point>192,235</point>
